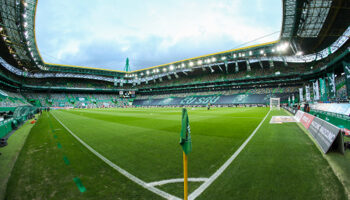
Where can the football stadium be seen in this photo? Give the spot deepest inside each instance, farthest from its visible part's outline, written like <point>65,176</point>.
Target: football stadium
<point>261,121</point>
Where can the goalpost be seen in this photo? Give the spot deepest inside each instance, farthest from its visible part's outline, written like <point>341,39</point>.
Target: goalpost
<point>275,103</point>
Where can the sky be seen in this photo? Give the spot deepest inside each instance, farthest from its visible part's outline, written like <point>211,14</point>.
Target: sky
<point>103,33</point>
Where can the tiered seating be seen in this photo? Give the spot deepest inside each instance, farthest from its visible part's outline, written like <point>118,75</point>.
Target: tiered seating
<point>229,92</point>
<point>11,99</point>
<point>78,100</point>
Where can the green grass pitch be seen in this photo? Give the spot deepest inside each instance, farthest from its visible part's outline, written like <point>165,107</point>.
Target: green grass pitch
<point>279,162</point>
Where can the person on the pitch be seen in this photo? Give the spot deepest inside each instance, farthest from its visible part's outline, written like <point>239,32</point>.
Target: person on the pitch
<point>208,106</point>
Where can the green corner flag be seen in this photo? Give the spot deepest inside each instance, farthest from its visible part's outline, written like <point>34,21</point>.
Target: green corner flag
<point>185,135</point>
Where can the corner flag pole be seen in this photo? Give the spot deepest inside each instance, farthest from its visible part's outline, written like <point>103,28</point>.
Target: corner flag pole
<point>185,176</point>
<point>186,143</point>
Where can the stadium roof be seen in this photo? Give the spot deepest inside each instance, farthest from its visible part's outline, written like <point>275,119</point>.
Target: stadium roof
<point>309,27</point>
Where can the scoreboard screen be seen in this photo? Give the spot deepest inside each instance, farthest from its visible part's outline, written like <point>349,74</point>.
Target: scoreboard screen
<point>127,94</point>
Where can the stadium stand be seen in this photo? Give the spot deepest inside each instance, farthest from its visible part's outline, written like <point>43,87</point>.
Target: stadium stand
<point>312,48</point>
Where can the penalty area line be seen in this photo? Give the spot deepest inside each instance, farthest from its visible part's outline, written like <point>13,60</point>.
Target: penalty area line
<point>119,169</point>
<point>213,177</point>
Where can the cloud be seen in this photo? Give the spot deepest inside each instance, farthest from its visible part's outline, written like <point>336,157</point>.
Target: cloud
<point>103,33</point>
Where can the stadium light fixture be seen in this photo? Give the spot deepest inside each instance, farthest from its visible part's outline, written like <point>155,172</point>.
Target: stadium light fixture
<point>213,59</point>
<point>199,62</point>
<point>25,4</point>
<point>261,52</point>
<point>243,54</point>
<point>191,64</point>
<point>171,67</point>
<point>147,72</point>
<point>299,53</point>
<point>164,69</point>
<point>183,65</point>
<point>25,24</point>
<point>283,47</point>
<point>250,53</point>
<point>1,29</point>
<point>223,58</point>
<point>273,50</point>
<point>234,55</point>
<point>239,55</point>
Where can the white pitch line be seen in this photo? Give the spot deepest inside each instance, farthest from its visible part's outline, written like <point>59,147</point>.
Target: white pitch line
<point>176,180</point>
<point>120,170</point>
<point>213,177</point>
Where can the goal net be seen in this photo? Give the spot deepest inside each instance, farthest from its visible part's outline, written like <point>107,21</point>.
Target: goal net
<point>275,103</point>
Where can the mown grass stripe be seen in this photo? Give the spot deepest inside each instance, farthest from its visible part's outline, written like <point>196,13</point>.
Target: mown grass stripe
<point>79,184</point>
<point>119,169</point>
<point>213,177</point>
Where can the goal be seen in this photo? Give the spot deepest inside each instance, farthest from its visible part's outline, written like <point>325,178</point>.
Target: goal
<point>275,103</point>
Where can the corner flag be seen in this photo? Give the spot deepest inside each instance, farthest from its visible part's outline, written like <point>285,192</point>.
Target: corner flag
<point>186,143</point>
<point>185,135</point>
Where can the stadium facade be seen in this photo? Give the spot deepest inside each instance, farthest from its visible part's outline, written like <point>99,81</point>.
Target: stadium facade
<point>314,42</point>
<point>308,67</point>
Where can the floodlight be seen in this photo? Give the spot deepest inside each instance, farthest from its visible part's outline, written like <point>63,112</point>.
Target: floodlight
<point>147,72</point>
<point>299,53</point>
<point>164,69</point>
<point>171,67</point>
<point>213,59</point>
<point>261,51</point>
<point>223,58</point>
<point>250,53</point>
<point>191,64</point>
<point>199,62</point>
<point>278,48</point>
<point>234,55</point>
